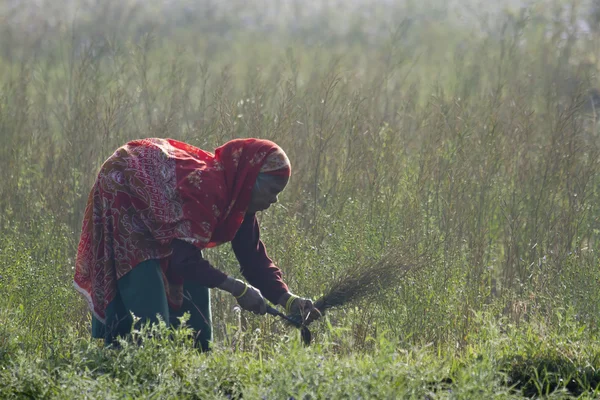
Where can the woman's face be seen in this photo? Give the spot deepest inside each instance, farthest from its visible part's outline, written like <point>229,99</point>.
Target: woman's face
<point>265,193</point>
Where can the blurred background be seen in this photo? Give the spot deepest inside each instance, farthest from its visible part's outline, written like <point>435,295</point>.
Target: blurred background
<point>461,130</point>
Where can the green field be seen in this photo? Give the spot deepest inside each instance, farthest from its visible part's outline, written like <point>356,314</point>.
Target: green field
<point>461,138</point>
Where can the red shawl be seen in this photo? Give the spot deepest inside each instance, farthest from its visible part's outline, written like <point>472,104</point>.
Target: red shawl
<point>152,191</point>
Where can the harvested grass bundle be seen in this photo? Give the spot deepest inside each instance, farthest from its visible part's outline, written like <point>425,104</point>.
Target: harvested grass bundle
<point>367,281</point>
<point>364,281</point>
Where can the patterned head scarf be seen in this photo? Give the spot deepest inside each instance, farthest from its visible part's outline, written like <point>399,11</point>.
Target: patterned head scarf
<point>277,163</point>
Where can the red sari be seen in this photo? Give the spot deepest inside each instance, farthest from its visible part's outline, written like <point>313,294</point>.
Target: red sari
<point>152,191</point>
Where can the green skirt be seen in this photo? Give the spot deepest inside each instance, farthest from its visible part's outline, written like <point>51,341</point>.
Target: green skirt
<point>141,291</point>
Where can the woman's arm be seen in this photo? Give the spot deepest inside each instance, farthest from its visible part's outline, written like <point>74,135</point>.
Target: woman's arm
<point>255,264</point>
<point>261,272</point>
<point>187,263</point>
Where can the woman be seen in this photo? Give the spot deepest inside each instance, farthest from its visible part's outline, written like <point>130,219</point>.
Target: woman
<point>155,205</point>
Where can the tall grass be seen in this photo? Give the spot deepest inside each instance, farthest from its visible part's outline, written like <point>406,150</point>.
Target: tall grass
<point>475,145</point>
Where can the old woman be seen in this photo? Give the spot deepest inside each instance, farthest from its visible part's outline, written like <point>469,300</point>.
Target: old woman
<point>155,205</point>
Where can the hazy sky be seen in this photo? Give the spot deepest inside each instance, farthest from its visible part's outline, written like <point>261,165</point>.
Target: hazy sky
<point>36,15</point>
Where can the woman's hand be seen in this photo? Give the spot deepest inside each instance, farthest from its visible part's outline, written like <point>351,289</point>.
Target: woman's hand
<point>248,297</point>
<point>295,305</point>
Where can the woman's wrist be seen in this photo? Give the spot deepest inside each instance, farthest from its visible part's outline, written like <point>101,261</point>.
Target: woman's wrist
<point>286,300</point>
<point>283,299</point>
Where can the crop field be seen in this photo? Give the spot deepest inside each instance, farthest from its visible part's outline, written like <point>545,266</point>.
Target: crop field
<point>458,140</point>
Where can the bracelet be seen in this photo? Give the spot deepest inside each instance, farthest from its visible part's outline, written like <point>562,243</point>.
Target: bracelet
<point>243,292</point>
<point>289,302</point>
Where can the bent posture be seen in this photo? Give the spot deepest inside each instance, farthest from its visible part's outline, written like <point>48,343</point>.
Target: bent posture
<point>155,205</point>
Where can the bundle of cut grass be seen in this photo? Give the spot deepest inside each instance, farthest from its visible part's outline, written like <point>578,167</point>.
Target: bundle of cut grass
<point>365,281</point>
